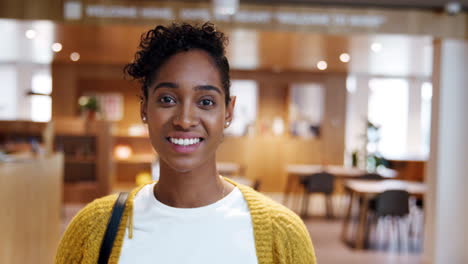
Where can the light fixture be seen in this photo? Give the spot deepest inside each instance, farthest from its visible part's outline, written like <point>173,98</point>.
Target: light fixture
<point>376,47</point>
<point>122,152</point>
<point>56,47</point>
<point>453,8</point>
<point>74,56</point>
<point>137,130</point>
<point>225,7</point>
<point>30,33</point>
<point>344,57</point>
<point>322,65</point>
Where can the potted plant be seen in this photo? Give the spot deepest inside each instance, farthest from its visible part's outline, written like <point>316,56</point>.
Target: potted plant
<point>89,106</point>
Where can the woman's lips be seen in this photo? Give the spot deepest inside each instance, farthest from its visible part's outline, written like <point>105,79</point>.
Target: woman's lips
<point>177,147</point>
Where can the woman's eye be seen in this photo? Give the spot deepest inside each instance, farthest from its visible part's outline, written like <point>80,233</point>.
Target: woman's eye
<point>166,100</point>
<point>207,102</point>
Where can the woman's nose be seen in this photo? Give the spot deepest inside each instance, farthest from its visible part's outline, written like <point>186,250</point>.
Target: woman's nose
<point>186,117</point>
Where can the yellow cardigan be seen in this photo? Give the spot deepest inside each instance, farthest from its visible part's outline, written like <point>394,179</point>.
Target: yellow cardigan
<point>280,235</point>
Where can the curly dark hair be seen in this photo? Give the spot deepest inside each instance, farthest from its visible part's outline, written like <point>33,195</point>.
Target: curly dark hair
<point>159,44</point>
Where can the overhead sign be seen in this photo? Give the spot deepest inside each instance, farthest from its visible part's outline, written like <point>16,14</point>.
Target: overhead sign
<point>295,18</point>
<point>331,20</point>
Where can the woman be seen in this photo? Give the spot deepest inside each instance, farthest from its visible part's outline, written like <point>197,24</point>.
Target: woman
<point>191,215</point>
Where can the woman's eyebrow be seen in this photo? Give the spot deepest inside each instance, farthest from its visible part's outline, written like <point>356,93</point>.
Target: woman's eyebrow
<point>207,88</point>
<point>166,85</point>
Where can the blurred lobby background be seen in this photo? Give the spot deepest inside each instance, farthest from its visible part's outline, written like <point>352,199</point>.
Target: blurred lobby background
<point>353,114</point>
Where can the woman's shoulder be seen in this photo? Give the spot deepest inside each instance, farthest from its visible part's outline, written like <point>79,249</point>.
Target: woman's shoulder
<point>88,225</point>
<point>94,214</point>
<point>102,207</point>
<point>290,237</point>
<point>95,210</point>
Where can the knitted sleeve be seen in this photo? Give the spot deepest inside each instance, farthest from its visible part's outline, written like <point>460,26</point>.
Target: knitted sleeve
<point>293,244</point>
<point>81,241</point>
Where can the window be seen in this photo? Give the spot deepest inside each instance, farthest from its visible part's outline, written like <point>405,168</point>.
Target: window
<point>8,75</point>
<point>41,102</point>
<point>426,102</point>
<point>388,109</point>
<point>245,110</point>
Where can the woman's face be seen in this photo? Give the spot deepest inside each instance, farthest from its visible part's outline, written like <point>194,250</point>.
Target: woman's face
<point>186,111</point>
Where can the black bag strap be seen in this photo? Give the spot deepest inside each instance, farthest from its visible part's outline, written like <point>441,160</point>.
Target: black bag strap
<point>112,228</point>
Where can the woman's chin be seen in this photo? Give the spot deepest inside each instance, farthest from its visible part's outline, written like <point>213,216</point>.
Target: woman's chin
<point>183,165</point>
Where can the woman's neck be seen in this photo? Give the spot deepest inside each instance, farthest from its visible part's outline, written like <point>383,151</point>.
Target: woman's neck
<point>198,187</point>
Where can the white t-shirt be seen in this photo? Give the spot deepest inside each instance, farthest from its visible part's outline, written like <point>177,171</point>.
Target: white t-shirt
<point>221,232</point>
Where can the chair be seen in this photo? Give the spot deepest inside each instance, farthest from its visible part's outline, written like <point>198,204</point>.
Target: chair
<point>393,205</point>
<point>371,177</point>
<point>322,182</point>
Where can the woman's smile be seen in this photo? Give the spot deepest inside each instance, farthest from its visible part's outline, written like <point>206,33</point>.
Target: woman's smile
<point>185,142</point>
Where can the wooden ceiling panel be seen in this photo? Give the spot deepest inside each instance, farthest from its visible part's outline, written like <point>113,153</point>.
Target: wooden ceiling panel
<point>267,50</point>
<point>98,44</point>
<point>418,4</point>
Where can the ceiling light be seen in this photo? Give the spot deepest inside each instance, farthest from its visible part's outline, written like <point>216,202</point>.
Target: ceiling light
<point>344,57</point>
<point>123,152</point>
<point>376,47</point>
<point>225,7</point>
<point>74,56</point>
<point>30,33</point>
<point>56,47</point>
<point>322,65</point>
<point>453,8</point>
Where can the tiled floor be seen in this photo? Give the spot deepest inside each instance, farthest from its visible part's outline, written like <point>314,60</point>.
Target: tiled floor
<point>326,238</point>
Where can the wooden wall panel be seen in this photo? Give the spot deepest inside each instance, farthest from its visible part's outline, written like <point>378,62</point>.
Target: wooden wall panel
<point>71,81</point>
<point>236,150</point>
<point>335,118</point>
<point>31,9</point>
<point>64,83</point>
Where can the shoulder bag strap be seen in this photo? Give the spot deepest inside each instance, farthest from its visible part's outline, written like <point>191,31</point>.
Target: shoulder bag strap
<point>112,228</point>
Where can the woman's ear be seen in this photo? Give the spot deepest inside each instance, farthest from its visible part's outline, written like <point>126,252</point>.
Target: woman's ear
<point>230,111</point>
<point>143,114</point>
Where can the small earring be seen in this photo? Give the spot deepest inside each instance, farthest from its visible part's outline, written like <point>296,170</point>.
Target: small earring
<point>227,123</point>
<point>144,119</point>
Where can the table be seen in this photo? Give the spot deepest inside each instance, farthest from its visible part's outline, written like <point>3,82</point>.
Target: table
<point>296,171</point>
<point>337,170</point>
<point>366,190</point>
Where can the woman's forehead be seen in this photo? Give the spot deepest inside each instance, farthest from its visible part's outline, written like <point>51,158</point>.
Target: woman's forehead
<point>191,68</point>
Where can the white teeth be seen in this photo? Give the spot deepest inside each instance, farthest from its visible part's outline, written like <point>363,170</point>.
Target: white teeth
<point>184,141</point>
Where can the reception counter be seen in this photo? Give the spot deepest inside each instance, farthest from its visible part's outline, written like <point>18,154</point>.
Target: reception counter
<point>31,202</point>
